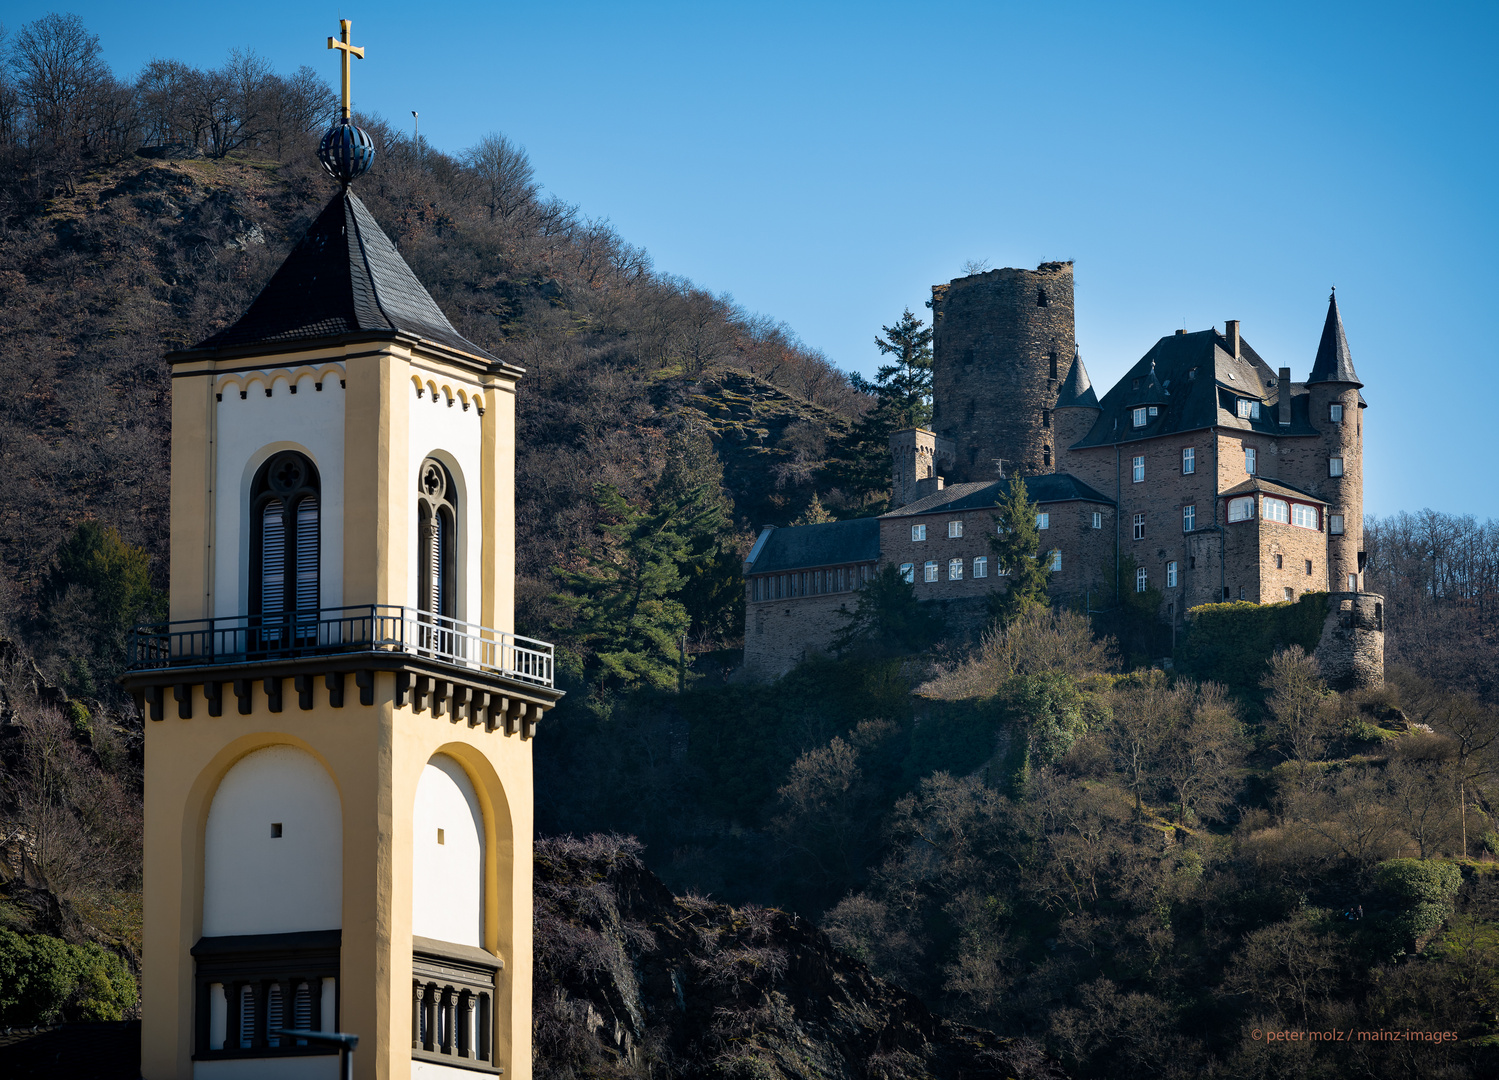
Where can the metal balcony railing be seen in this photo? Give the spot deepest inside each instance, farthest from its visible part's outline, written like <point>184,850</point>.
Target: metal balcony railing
<point>243,639</point>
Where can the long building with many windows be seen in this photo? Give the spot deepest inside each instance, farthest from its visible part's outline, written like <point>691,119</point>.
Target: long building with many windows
<point>1204,473</point>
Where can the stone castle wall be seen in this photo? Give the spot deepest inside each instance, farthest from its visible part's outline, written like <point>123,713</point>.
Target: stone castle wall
<point>1351,652</point>
<point>1003,342</point>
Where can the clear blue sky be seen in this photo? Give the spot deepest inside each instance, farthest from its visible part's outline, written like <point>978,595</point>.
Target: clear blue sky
<point>827,163</point>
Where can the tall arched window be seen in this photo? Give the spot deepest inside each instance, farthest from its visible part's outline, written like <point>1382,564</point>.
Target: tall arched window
<point>437,539</point>
<point>284,542</point>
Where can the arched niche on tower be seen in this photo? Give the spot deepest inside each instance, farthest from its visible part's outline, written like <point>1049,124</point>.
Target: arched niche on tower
<point>273,847</point>
<point>236,522</point>
<point>447,852</point>
<point>468,540</point>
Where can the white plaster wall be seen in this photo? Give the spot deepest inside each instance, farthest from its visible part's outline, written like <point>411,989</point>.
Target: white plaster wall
<point>447,881</point>
<point>451,434</point>
<point>249,432</point>
<point>254,883</point>
<point>294,1068</point>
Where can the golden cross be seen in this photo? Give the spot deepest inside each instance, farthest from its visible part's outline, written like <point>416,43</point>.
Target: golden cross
<point>348,51</point>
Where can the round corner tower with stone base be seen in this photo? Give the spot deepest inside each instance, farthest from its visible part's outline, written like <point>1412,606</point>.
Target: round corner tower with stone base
<point>1337,410</point>
<point>1003,342</point>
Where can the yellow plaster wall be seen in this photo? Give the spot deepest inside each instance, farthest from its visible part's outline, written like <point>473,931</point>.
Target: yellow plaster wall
<point>378,491</point>
<point>375,756</point>
<point>498,448</point>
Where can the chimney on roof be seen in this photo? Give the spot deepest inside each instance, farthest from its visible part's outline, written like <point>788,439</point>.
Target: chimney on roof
<point>1283,407</point>
<point>1231,331</point>
<point>1182,331</point>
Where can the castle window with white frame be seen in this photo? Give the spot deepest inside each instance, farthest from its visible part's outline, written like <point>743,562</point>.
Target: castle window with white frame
<point>1335,524</point>
<point>1305,516</point>
<point>1138,417</point>
<point>1241,509</point>
<point>918,532</point>
<point>1142,580</point>
<point>285,545</point>
<point>1139,469</point>
<point>930,571</point>
<point>980,566</point>
<point>1335,466</point>
<point>1171,575</point>
<point>1056,559</point>
<point>1251,460</point>
<point>1043,520</point>
<point>1290,594</point>
<point>908,572</point>
<point>1249,409</point>
<point>437,533</point>
<point>1335,412</point>
<point>1189,460</point>
<point>954,569</point>
<point>1098,519</point>
<point>955,529</point>
<point>1139,526</point>
<point>1275,509</point>
<point>1189,518</point>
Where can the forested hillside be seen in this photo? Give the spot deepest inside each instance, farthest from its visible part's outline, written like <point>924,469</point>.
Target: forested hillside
<point>1124,864</point>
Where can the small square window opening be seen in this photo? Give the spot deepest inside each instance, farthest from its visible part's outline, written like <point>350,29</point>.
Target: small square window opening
<point>1280,562</point>
<point>275,830</point>
<point>918,532</point>
<point>1043,521</point>
<point>1309,568</point>
<point>954,530</point>
<point>441,838</point>
<point>1335,466</point>
<point>1335,413</point>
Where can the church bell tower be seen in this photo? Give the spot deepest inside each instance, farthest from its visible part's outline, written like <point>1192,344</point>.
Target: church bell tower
<point>338,758</point>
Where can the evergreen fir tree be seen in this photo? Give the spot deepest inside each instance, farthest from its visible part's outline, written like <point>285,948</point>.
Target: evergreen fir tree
<point>1017,551</point>
<point>903,398</point>
<point>625,597</point>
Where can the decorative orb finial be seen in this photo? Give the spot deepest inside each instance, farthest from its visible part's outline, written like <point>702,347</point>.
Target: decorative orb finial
<point>347,152</point>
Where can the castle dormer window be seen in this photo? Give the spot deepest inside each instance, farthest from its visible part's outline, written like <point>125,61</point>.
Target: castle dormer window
<point>1249,409</point>
<point>1153,410</point>
<point>1139,416</point>
<point>284,545</point>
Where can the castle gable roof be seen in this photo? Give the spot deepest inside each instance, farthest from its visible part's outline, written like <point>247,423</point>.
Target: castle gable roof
<point>1195,381</point>
<point>800,547</point>
<point>1077,388</point>
<point>344,280</point>
<point>1334,362</point>
<point>979,495</point>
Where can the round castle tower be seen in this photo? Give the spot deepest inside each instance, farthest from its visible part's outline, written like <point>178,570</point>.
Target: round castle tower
<point>1003,343</point>
<point>1337,411</point>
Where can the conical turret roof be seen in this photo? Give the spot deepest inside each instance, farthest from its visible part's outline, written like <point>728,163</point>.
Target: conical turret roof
<point>1077,388</point>
<point>344,280</point>
<point>1334,362</point>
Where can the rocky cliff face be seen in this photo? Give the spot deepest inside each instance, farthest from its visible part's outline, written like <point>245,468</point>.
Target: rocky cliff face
<point>633,981</point>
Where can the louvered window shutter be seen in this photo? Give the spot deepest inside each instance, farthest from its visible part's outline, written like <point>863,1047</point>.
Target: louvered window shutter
<point>246,1016</point>
<point>273,1013</point>
<point>272,559</point>
<point>307,554</point>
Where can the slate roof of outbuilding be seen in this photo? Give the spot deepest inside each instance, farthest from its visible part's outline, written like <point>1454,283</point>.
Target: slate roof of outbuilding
<point>978,495</point>
<point>834,543</point>
<point>1195,380</point>
<point>343,280</point>
<point>1271,487</point>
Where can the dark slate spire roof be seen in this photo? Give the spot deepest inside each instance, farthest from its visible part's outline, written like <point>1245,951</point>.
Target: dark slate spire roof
<point>1334,362</point>
<point>1077,388</point>
<point>344,278</point>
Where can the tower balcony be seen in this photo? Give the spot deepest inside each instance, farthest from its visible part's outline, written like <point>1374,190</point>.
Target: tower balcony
<point>445,664</point>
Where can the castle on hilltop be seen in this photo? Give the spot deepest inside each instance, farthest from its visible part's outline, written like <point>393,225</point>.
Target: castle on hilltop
<point>1204,473</point>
